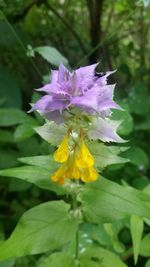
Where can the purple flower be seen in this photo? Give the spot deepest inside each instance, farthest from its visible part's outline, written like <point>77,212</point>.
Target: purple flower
<point>82,89</point>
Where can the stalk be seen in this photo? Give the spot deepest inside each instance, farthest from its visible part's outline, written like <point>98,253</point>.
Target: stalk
<point>75,206</point>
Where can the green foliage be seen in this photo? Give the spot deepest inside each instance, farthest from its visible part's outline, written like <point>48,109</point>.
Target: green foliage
<point>112,202</point>
<point>51,132</point>
<point>102,257</point>
<point>46,227</point>
<point>136,225</point>
<point>147,264</point>
<point>10,91</point>
<point>36,175</point>
<point>52,55</point>
<point>145,246</point>
<point>9,117</point>
<point>114,213</point>
<point>126,127</point>
<point>59,260</point>
<point>105,156</point>
<point>137,156</point>
<point>139,101</point>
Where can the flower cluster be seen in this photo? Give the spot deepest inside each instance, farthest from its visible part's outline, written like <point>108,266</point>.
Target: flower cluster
<point>81,102</point>
<point>81,89</point>
<point>77,163</point>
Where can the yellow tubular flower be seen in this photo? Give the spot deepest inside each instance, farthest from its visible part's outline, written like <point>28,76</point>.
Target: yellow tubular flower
<point>84,158</point>
<point>59,175</point>
<point>62,153</point>
<point>89,175</point>
<point>78,165</point>
<point>73,171</point>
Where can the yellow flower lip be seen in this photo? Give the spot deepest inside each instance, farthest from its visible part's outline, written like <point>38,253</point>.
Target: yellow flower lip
<point>62,153</point>
<point>59,175</point>
<point>89,175</point>
<point>84,158</point>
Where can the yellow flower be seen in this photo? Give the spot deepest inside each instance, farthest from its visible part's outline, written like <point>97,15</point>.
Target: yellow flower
<point>73,171</point>
<point>78,165</point>
<point>62,153</point>
<point>89,175</point>
<point>59,175</point>
<point>84,158</point>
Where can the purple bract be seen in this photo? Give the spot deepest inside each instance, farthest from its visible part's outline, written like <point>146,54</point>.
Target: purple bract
<point>81,89</point>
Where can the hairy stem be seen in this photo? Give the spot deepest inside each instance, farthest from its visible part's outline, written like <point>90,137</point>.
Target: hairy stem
<point>75,206</point>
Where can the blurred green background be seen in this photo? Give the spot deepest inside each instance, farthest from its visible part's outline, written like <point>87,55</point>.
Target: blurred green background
<point>37,35</point>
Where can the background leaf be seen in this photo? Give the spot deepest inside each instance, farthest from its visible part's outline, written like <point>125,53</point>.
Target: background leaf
<point>103,257</point>
<point>46,227</point>
<point>136,227</point>
<point>58,260</point>
<point>137,156</point>
<point>36,175</point>
<point>105,156</point>
<point>52,55</point>
<point>9,117</point>
<point>145,246</point>
<point>9,89</point>
<point>147,264</point>
<point>139,101</point>
<point>112,202</point>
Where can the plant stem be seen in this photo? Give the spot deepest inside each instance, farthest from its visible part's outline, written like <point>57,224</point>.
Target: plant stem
<point>75,206</point>
<point>77,246</point>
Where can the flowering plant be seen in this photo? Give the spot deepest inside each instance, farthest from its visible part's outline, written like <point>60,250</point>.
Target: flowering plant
<point>74,231</point>
<point>81,102</point>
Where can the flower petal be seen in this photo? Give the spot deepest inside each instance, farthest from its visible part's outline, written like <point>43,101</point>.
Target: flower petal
<point>87,102</point>
<point>101,79</point>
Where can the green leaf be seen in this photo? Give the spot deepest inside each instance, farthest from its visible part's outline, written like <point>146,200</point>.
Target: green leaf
<point>112,231</point>
<point>145,246</point>
<point>8,158</point>
<point>58,260</point>
<point>44,161</point>
<point>6,136</point>
<point>144,125</point>
<point>126,127</point>
<point>105,156</point>
<point>23,131</point>
<point>46,227</point>
<point>9,117</point>
<point>104,234</point>
<point>96,257</point>
<point>52,55</point>
<point>16,185</point>
<point>106,201</point>
<point>118,149</point>
<point>8,263</point>
<point>30,146</point>
<point>90,262</point>
<point>147,264</point>
<point>136,227</point>
<point>51,132</point>
<point>102,257</point>
<point>6,38</point>
<point>36,175</point>
<point>139,100</point>
<point>9,89</point>
<point>137,156</point>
